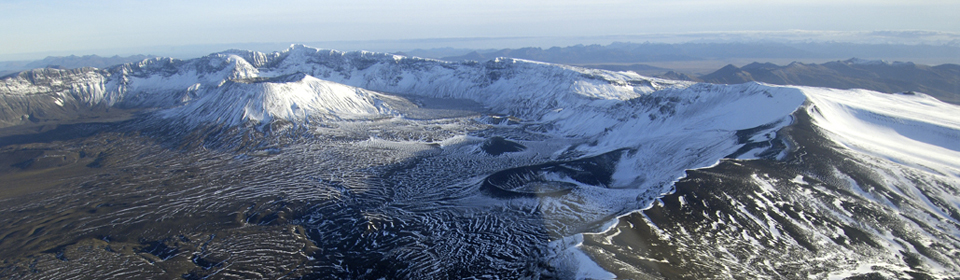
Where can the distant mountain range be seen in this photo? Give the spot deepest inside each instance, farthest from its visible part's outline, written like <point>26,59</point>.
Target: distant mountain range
<point>941,81</point>
<point>69,62</point>
<point>651,52</point>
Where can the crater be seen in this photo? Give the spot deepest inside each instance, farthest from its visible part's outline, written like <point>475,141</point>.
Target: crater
<point>498,145</point>
<point>554,178</point>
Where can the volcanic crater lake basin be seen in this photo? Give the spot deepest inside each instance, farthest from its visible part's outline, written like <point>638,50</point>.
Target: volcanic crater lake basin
<point>145,196</point>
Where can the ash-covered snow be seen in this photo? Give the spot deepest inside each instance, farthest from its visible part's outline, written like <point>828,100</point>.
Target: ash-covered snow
<point>648,132</point>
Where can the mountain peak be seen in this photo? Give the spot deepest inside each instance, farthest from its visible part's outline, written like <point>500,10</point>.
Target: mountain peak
<point>289,97</point>
<point>729,74</point>
<point>729,68</point>
<point>762,66</point>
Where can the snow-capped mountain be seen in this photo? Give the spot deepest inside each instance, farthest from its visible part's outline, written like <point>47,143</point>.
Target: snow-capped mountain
<point>506,85</point>
<point>565,172</point>
<point>294,97</point>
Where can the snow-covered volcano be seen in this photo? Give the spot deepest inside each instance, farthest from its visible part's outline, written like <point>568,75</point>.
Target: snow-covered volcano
<point>751,177</point>
<point>508,86</point>
<point>296,97</point>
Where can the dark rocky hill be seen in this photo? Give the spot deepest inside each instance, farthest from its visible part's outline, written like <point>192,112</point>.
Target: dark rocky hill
<point>941,81</point>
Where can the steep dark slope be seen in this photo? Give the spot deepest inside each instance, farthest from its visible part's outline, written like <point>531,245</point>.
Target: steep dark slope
<point>795,218</point>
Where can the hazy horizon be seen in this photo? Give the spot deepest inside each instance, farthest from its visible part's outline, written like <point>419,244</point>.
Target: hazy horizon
<point>911,37</point>
<point>124,27</point>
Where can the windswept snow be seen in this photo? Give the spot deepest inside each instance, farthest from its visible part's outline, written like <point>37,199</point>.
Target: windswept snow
<point>913,130</point>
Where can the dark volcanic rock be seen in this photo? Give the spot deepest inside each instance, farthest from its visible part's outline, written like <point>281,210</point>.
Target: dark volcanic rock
<point>552,178</point>
<point>788,218</point>
<point>498,145</point>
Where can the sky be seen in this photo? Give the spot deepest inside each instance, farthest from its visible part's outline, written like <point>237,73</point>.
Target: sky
<point>36,28</point>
